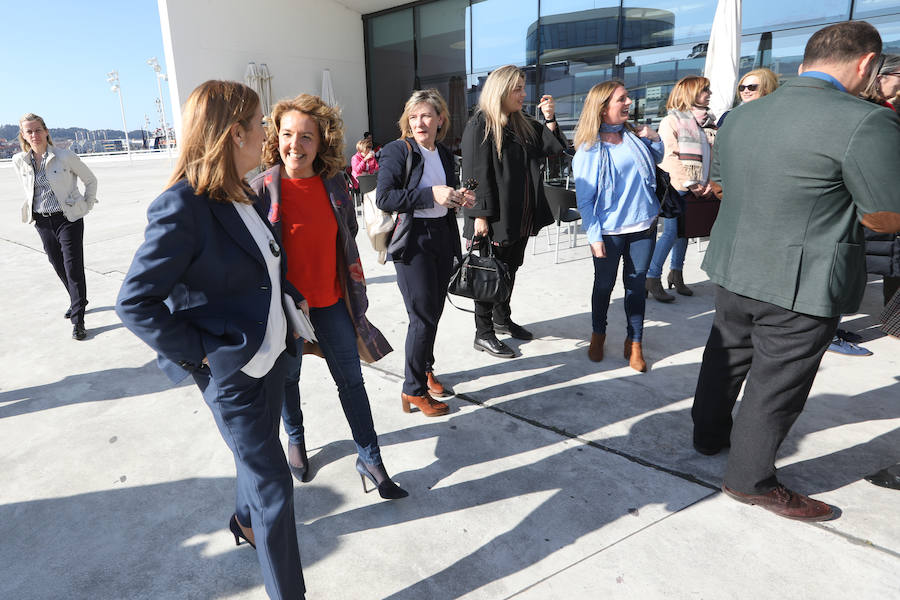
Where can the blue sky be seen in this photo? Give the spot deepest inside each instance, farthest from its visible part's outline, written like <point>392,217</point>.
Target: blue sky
<point>56,55</point>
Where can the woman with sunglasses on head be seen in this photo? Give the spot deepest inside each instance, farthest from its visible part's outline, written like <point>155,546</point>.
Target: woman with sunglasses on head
<point>504,149</point>
<point>205,291</point>
<point>688,132</point>
<point>615,183</point>
<point>752,86</point>
<point>417,180</point>
<point>305,196</point>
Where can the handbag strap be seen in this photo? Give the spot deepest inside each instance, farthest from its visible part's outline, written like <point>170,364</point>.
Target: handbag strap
<point>408,163</point>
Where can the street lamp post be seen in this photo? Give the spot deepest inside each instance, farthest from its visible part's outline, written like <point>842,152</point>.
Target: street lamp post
<point>160,76</point>
<point>113,79</point>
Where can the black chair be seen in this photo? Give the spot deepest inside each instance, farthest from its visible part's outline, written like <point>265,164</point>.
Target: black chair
<point>563,206</point>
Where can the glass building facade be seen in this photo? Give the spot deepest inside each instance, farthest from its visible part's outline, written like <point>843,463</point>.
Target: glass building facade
<point>567,46</point>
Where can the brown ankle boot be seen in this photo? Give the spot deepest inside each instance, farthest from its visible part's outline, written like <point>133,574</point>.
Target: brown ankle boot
<point>595,351</point>
<point>676,279</point>
<point>435,388</point>
<point>654,288</point>
<point>634,354</point>
<point>428,405</point>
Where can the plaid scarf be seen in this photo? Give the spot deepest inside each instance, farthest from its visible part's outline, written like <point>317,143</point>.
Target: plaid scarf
<point>690,142</point>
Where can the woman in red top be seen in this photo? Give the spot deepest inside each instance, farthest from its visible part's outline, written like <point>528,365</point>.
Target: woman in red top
<point>306,198</point>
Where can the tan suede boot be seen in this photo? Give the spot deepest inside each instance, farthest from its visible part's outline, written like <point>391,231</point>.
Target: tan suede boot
<point>595,351</point>
<point>634,354</point>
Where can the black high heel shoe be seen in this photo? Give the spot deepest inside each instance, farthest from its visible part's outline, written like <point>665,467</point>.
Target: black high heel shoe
<point>387,489</point>
<point>235,528</point>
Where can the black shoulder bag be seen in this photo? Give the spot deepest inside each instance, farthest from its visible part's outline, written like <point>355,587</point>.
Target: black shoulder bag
<point>481,278</point>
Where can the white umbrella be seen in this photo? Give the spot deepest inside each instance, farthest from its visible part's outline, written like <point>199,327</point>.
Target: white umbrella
<point>723,55</point>
<point>265,88</point>
<point>328,96</point>
<point>258,78</point>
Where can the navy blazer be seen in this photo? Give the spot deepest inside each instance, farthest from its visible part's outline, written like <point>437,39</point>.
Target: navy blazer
<point>198,286</point>
<point>392,196</point>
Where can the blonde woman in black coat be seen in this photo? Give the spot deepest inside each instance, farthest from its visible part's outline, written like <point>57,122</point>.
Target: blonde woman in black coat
<point>503,149</point>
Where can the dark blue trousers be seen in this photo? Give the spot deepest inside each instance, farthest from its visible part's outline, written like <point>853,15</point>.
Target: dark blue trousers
<point>63,242</point>
<point>635,250</point>
<point>247,411</point>
<point>423,279</point>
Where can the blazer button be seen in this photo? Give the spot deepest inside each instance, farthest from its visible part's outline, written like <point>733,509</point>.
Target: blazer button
<point>263,287</point>
<point>259,322</point>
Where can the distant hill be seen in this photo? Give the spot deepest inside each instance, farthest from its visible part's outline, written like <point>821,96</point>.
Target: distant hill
<point>68,133</point>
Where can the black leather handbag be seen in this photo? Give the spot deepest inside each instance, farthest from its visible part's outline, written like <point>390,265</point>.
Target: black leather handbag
<point>671,205</point>
<point>481,278</point>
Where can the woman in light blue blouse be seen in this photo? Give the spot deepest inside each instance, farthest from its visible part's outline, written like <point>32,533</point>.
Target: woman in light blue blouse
<point>615,183</point>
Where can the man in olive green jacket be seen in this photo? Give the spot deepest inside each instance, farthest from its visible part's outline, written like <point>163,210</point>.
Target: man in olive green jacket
<point>800,170</point>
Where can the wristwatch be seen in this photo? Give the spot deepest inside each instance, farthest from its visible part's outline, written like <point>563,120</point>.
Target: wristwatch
<point>551,120</point>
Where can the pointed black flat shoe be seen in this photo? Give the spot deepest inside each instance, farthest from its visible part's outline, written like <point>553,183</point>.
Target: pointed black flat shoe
<point>387,489</point>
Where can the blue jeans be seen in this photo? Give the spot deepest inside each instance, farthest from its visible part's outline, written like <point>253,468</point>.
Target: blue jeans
<point>635,250</point>
<point>337,339</point>
<point>668,241</point>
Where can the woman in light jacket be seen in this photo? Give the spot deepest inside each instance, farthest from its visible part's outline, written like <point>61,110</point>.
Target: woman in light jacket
<point>427,236</point>
<point>205,291</point>
<point>615,183</point>
<point>688,132</point>
<point>504,149</point>
<point>49,176</point>
<point>305,196</point>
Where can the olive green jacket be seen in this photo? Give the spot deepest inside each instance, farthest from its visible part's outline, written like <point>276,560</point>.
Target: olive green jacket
<point>798,168</point>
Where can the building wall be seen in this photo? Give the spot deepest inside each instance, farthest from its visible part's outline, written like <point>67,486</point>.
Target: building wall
<point>297,39</point>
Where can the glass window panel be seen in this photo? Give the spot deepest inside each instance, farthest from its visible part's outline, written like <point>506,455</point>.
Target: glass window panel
<point>889,28</point>
<point>500,29</point>
<point>441,48</point>
<point>651,74</point>
<point>391,73</point>
<point>760,15</point>
<point>578,44</point>
<point>655,23</point>
<point>870,8</point>
<point>556,7</point>
<point>441,43</point>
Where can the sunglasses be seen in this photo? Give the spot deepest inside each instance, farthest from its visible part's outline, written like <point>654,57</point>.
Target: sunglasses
<point>750,86</point>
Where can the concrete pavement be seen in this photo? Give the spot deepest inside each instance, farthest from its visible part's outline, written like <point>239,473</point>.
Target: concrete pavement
<point>552,477</point>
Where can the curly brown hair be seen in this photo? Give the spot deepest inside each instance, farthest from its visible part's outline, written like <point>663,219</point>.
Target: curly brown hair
<point>330,159</point>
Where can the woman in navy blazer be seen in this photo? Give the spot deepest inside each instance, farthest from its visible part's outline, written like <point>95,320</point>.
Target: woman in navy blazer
<point>206,291</point>
<point>426,237</point>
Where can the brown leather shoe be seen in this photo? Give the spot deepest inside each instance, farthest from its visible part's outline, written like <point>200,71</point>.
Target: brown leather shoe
<point>428,405</point>
<point>634,354</point>
<point>435,388</point>
<point>595,351</point>
<point>786,503</point>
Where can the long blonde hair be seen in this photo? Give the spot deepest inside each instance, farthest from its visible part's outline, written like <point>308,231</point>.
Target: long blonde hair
<point>498,85</point>
<point>23,143</point>
<point>207,152</point>
<point>436,101</point>
<point>329,160</point>
<point>596,103</point>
